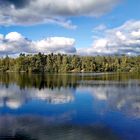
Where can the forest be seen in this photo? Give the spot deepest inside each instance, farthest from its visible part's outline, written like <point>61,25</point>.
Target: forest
<point>60,63</point>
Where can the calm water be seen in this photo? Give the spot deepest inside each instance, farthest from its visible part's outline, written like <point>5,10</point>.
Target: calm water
<point>70,107</point>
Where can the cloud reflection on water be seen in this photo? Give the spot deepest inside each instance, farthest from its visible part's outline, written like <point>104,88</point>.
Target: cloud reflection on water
<point>125,99</point>
<point>13,97</point>
<point>69,106</point>
<point>38,128</point>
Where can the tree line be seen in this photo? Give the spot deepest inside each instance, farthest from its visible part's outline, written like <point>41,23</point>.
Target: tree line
<point>59,63</point>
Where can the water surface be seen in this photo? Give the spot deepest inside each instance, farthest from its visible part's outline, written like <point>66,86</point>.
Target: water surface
<point>70,106</point>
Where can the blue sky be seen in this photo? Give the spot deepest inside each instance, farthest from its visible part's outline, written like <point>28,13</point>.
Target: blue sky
<point>72,24</point>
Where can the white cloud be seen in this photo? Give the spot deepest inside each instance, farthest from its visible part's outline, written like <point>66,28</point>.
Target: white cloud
<point>52,11</point>
<point>121,40</point>
<point>100,27</point>
<point>136,34</point>
<point>55,44</point>
<point>14,43</point>
<point>14,36</point>
<point>1,37</point>
<point>120,36</point>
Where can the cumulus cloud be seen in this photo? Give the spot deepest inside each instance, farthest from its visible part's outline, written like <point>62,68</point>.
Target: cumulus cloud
<point>121,40</point>
<point>14,43</point>
<point>29,12</point>
<point>55,44</point>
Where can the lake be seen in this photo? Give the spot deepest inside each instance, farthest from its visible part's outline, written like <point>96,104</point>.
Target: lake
<point>79,106</point>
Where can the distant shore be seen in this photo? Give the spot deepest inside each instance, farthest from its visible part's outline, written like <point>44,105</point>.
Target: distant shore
<point>61,63</point>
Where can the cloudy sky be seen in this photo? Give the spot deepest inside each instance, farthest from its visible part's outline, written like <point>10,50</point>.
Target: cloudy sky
<point>83,27</point>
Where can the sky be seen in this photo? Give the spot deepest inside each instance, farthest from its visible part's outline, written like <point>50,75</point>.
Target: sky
<point>83,27</point>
